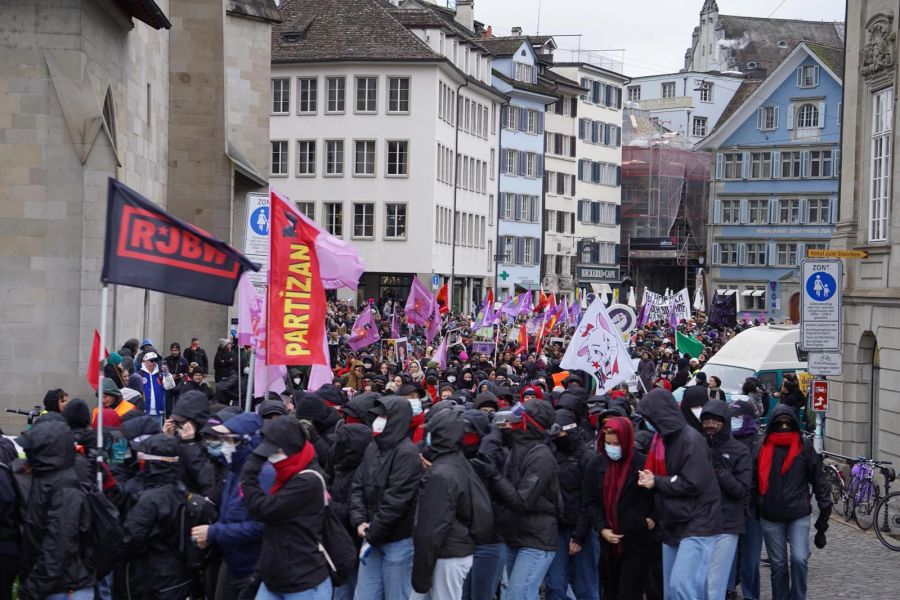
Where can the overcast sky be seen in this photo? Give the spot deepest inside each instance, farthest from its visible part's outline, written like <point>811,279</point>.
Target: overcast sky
<point>653,33</point>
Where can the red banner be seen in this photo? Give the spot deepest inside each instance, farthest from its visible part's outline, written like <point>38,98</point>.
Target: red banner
<point>296,294</point>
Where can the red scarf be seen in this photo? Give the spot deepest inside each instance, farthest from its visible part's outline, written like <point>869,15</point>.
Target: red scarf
<point>656,458</point>
<point>788,438</point>
<point>417,426</point>
<point>292,465</point>
<point>617,471</point>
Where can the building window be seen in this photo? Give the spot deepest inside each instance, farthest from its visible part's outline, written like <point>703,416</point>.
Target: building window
<point>335,88</point>
<point>398,94</point>
<point>820,163</point>
<point>754,297</point>
<point>634,93</point>
<point>528,252</point>
<point>734,163</point>
<point>395,221</point>
<point>756,254</point>
<point>880,165</point>
<point>818,211</point>
<point>668,89</point>
<point>334,218</point>
<point>281,96</point>
<point>307,95</point>
<point>366,94</point>
<point>532,121</point>
<point>279,158</point>
<point>699,128</point>
<point>760,165</point>
<point>363,220</point>
<point>364,159</point>
<point>786,255</point>
<point>306,157</point>
<point>808,76</point>
<point>788,211</point>
<point>530,164</point>
<point>512,117</point>
<point>790,165</point>
<point>758,211</point>
<point>807,116</point>
<point>728,254</point>
<point>767,118</point>
<point>731,212</point>
<point>524,72</point>
<point>334,157</point>
<point>509,205</point>
<point>706,92</point>
<point>308,209</point>
<point>512,159</point>
<point>398,158</point>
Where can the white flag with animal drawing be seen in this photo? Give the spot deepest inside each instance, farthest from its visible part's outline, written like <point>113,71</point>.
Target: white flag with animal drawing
<point>597,348</point>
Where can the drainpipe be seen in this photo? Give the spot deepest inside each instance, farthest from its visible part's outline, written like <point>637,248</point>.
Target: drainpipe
<point>497,201</point>
<point>455,192</point>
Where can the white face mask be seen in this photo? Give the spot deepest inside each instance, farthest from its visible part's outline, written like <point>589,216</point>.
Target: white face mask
<point>378,424</point>
<point>697,410</point>
<point>277,457</point>
<point>228,449</point>
<point>297,380</point>
<point>416,405</point>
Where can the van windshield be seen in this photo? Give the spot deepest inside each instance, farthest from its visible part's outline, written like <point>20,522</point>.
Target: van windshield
<point>732,377</point>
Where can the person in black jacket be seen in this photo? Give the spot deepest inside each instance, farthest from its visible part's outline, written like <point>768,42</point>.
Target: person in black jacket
<point>195,354</point>
<point>682,375</point>
<point>10,518</point>
<point>195,381</point>
<point>188,417</point>
<point>745,429</point>
<point>692,402</point>
<point>225,360</point>
<point>527,492</point>
<point>53,564</point>
<point>733,468</point>
<point>786,467</point>
<point>292,511</point>
<point>679,468</point>
<point>578,550</point>
<point>624,515</point>
<point>383,503</point>
<point>447,518</point>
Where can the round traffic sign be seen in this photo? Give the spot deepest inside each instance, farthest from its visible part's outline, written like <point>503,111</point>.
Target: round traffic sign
<point>259,220</point>
<point>820,286</point>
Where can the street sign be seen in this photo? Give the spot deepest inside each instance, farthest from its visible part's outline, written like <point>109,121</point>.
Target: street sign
<point>256,238</point>
<point>821,284</point>
<point>825,363</point>
<point>820,396</point>
<point>435,281</point>
<point>826,253</point>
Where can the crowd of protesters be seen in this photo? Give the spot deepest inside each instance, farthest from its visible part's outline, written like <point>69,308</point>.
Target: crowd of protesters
<point>500,475</point>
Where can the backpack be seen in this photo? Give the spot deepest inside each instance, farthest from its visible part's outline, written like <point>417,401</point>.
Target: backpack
<point>482,526</point>
<point>194,510</point>
<point>103,536</point>
<point>336,543</point>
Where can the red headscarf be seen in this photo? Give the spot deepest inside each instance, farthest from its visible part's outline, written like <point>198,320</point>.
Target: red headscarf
<point>791,439</point>
<point>656,457</point>
<point>293,464</point>
<point>617,471</point>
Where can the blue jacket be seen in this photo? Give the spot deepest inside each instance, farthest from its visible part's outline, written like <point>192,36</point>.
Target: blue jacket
<point>159,392</point>
<point>235,533</point>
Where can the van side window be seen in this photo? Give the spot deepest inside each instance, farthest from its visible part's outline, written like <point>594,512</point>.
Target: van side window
<point>769,380</point>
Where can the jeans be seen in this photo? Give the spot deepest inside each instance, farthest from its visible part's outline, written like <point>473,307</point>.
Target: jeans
<point>320,592</point>
<point>487,570</point>
<point>345,590</point>
<point>724,547</point>
<point>83,594</point>
<point>579,569</point>
<point>447,579</point>
<point>527,568</point>
<point>387,572</point>
<point>787,584</point>
<point>685,567</point>
<point>750,551</point>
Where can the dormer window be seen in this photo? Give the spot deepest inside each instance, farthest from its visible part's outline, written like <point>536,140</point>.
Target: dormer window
<point>808,76</point>
<point>292,37</point>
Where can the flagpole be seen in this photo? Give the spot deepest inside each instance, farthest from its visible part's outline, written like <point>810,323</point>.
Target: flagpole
<point>104,300</point>
<point>248,405</point>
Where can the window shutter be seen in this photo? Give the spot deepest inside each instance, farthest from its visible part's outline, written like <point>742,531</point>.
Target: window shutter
<point>742,255</point>
<point>572,143</point>
<point>790,116</point>
<point>616,254</point>
<point>745,166</point>
<point>521,166</point>
<point>800,76</point>
<point>523,119</point>
<point>836,163</point>
<point>504,199</point>
<point>595,172</point>
<point>574,110</point>
<point>772,254</point>
<point>503,162</point>
<point>520,250</point>
<point>595,213</point>
<point>595,254</point>
<point>580,210</point>
<point>720,164</point>
<point>618,175</point>
<point>606,134</point>
<point>804,209</point>
<point>504,111</point>
<point>595,92</point>
<point>717,211</point>
<point>572,187</point>
<point>540,122</point>
<point>801,253</point>
<point>776,164</point>
<point>580,168</point>
<point>581,127</point>
<point>534,209</point>
<point>547,177</point>
<point>744,212</point>
<point>773,210</point>
<point>804,163</point>
<point>618,136</point>
<point>539,165</point>
<point>618,214</point>
<point>834,209</point>
<point>777,110</point>
<point>816,75</point>
<point>715,254</point>
<point>821,123</point>
<point>557,107</point>
<point>760,123</point>
<point>517,198</point>
<point>595,131</point>
<point>536,259</point>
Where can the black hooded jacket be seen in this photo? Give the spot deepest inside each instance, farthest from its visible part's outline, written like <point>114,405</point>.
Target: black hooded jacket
<point>360,405</point>
<point>197,469</point>
<point>52,560</point>
<point>350,443</point>
<point>733,468</point>
<point>446,506</point>
<point>682,376</point>
<point>695,396</point>
<point>687,497</point>
<point>386,483</point>
<point>788,496</point>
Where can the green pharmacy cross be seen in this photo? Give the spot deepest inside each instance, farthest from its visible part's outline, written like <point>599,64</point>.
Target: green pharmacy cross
<point>504,275</point>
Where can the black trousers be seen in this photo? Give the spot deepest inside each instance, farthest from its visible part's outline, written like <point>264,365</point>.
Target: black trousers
<point>632,575</point>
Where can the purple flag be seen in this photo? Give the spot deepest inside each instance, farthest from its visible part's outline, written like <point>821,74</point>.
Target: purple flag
<point>529,305</point>
<point>564,312</point>
<point>418,304</point>
<point>643,313</point>
<point>395,323</point>
<point>434,323</point>
<point>320,375</point>
<point>673,318</point>
<point>574,314</point>
<point>364,332</point>
<point>441,353</point>
<point>489,316</point>
<point>482,315</point>
<point>515,305</point>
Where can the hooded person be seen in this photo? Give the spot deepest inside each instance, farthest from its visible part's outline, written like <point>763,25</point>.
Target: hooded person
<point>53,563</point>
<point>322,420</point>
<point>449,518</point>
<point>682,374</point>
<point>292,512</point>
<point>688,503</point>
<point>383,501</point>
<point>575,402</point>
<point>692,401</point>
<point>188,417</point>
<point>358,409</point>
<point>527,492</point>
<point>624,515</point>
<point>416,395</point>
<point>733,469</point>
<point>786,468</point>
<point>486,402</point>
<point>112,398</point>
<point>225,360</point>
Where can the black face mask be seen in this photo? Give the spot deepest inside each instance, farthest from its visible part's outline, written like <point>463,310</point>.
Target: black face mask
<point>506,437</point>
<point>565,443</point>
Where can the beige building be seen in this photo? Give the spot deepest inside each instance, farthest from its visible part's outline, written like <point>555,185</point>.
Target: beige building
<point>171,98</point>
<point>864,415</point>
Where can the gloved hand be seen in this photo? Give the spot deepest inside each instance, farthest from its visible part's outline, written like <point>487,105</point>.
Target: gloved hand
<point>822,521</point>
<point>485,468</point>
<point>819,540</point>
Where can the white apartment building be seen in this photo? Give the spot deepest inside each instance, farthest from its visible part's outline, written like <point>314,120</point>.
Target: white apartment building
<point>390,143</point>
<point>598,150</point>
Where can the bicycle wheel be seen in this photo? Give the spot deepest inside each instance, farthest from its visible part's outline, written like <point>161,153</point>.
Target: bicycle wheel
<point>887,518</point>
<point>848,501</point>
<point>836,485</point>
<point>865,510</point>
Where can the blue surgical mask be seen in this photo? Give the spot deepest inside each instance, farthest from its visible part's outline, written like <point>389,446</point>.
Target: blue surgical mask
<point>613,452</point>
<point>428,439</point>
<point>737,423</point>
<point>650,426</point>
<point>416,405</point>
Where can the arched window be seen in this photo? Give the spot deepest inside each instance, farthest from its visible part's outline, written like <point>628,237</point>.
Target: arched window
<point>808,116</point>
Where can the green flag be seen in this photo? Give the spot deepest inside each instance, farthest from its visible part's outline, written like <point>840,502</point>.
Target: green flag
<point>688,344</point>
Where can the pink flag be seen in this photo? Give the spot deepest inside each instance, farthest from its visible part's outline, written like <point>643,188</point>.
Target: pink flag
<point>252,332</point>
<point>564,312</point>
<point>320,375</point>
<point>441,353</point>
<point>418,304</point>
<point>339,263</point>
<point>574,314</point>
<point>395,323</point>
<point>434,323</point>
<point>365,331</point>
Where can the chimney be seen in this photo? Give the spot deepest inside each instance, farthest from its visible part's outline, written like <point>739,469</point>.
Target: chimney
<point>465,14</point>
<point>516,31</point>
<point>489,32</point>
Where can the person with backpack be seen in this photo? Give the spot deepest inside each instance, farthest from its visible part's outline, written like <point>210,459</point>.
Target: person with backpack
<point>55,566</point>
<point>453,514</point>
<point>292,565</point>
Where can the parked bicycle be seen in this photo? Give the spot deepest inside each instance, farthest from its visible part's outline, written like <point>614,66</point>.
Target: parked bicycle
<point>863,494</point>
<point>887,521</point>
